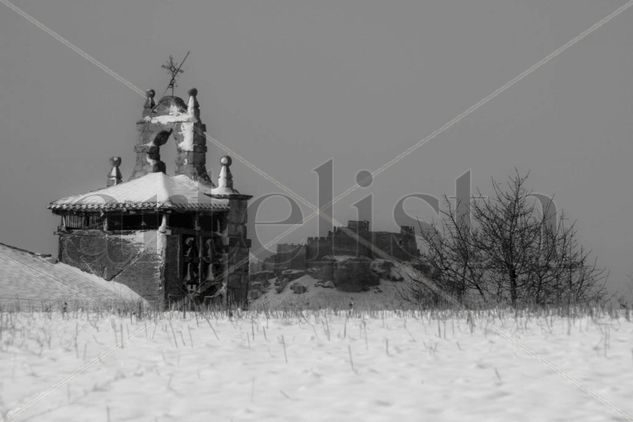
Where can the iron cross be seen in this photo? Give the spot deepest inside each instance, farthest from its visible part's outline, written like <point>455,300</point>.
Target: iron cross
<point>173,71</point>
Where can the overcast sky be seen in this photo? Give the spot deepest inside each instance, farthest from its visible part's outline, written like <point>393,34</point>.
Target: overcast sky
<point>289,84</point>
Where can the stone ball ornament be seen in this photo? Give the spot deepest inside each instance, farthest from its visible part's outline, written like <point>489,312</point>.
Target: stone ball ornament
<point>364,178</point>
<point>193,92</point>
<point>115,161</point>
<point>226,160</point>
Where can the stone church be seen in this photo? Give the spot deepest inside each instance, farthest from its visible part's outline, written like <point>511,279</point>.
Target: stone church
<point>171,239</point>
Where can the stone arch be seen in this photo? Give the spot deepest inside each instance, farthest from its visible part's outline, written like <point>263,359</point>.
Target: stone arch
<point>162,137</point>
<point>172,118</point>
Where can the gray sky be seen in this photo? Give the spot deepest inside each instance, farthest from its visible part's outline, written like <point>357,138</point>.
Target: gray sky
<point>289,84</point>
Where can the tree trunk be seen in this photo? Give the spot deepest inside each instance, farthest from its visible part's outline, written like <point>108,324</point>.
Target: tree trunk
<point>513,287</point>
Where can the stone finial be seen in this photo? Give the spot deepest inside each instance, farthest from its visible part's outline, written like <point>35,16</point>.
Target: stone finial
<point>225,178</point>
<point>114,177</point>
<point>193,108</point>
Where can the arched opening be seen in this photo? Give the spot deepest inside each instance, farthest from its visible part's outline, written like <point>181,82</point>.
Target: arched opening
<point>162,137</point>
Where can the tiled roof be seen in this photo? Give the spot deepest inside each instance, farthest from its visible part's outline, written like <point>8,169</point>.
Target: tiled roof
<point>152,191</point>
<point>30,278</point>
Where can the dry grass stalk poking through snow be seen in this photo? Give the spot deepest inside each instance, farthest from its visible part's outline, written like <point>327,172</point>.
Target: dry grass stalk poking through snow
<point>439,365</point>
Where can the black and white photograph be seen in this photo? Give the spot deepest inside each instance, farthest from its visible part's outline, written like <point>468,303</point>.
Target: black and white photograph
<point>316,210</point>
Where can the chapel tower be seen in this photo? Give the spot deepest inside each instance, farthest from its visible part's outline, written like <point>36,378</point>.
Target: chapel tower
<point>177,239</point>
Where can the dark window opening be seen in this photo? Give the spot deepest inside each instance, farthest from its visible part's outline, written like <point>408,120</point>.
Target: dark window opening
<point>183,221</point>
<point>202,263</point>
<point>206,222</point>
<point>127,222</point>
<point>191,263</point>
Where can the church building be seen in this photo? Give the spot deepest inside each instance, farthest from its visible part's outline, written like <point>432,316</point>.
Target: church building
<point>174,240</point>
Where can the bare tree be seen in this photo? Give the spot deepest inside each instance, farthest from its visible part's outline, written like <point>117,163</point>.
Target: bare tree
<point>456,264</point>
<point>511,253</point>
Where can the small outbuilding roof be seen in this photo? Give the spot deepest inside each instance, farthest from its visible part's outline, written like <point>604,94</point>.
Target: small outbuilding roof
<point>26,277</point>
<point>154,191</point>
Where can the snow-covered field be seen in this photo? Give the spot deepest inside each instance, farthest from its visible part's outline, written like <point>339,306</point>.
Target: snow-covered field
<point>321,365</point>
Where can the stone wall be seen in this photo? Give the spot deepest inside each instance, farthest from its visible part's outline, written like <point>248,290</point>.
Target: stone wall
<point>290,257</point>
<point>345,242</point>
<point>239,249</point>
<point>342,241</point>
<point>323,270</point>
<point>172,283</point>
<point>349,275</point>
<point>317,248</point>
<point>354,275</point>
<point>134,259</point>
<point>401,246</point>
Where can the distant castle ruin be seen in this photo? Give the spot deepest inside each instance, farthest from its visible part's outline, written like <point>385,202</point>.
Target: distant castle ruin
<point>345,255</point>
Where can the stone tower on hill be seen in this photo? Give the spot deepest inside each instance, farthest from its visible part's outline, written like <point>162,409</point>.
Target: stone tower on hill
<point>171,239</point>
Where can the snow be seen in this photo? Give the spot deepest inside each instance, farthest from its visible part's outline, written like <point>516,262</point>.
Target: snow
<point>120,290</point>
<point>186,130</point>
<point>35,280</point>
<point>186,121</point>
<point>388,295</point>
<point>157,188</point>
<point>309,366</point>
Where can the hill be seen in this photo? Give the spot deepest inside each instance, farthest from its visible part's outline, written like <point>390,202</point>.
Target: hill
<point>29,278</point>
<point>302,290</point>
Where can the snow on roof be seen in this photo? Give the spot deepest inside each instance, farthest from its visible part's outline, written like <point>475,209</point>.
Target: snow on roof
<point>28,276</point>
<point>152,191</point>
